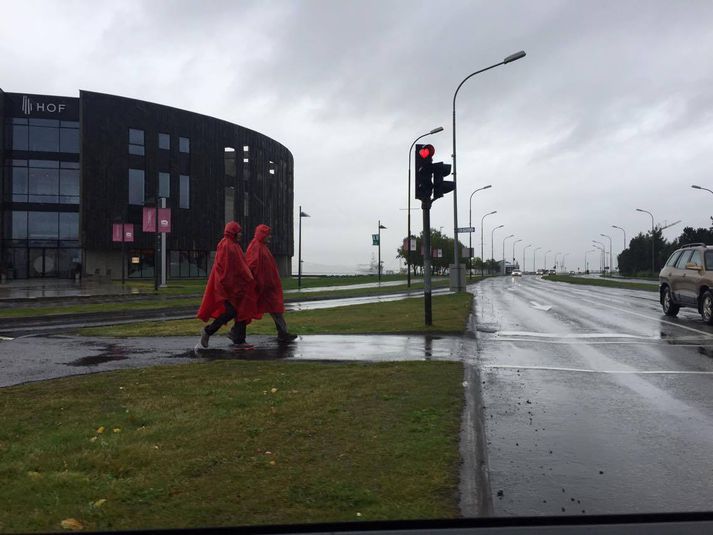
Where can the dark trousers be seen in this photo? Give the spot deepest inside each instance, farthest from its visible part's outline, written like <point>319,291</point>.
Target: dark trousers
<point>221,320</point>
<point>280,323</point>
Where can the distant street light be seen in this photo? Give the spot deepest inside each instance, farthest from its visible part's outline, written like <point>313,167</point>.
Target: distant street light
<point>470,224</point>
<point>523,257</point>
<point>586,265</point>
<point>556,261</point>
<point>513,250</point>
<point>379,269</point>
<point>456,256</point>
<point>611,260</point>
<point>408,208</point>
<point>534,256</point>
<point>699,187</point>
<point>545,261</point>
<point>299,255</point>
<point>625,243</point>
<point>653,253</point>
<point>492,244</point>
<point>602,252</point>
<point>564,266</point>
<point>505,238</point>
<point>482,220</point>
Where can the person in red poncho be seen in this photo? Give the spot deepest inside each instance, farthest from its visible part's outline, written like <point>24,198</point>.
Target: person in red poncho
<point>268,287</point>
<point>229,294</point>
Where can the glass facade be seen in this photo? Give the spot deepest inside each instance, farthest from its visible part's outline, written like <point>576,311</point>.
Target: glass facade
<point>42,181</point>
<point>45,135</point>
<point>184,264</point>
<point>136,187</point>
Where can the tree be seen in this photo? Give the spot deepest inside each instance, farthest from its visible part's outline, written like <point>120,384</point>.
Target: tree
<point>439,265</point>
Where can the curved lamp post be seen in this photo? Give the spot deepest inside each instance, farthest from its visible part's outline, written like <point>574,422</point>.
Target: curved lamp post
<point>470,224</point>
<point>564,266</point>
<point>545,261</point>
<point>556,255</point>
<point>611,260</point>
<point>492,244</point>
<point>408,208</point>
<point>505,238</point>
<point>513,250</point>
<point>523,257</point>
<point>299,255</point>
<point>534,256</point>
<point>586,265</point>
<point>625,244</point>
<point>379,268</point>
<point>482,220</point>
<point>456,255</point>
<point>653,254</point>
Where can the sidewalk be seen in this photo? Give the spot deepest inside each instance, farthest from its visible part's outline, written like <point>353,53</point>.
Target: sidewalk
<point>53,288</point>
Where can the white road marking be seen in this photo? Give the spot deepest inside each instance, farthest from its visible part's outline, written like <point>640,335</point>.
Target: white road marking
<point>5,338</point>
<point>575,335</point>
<point>538,306</point>
<point>583,370</point>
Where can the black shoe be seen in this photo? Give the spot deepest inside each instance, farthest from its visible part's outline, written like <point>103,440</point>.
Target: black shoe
<point>234,338</point>
<point>286,337</point>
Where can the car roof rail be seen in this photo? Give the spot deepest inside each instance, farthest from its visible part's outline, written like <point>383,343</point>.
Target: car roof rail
<point>694,245</point>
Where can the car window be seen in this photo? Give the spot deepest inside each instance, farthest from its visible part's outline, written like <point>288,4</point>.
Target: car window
<point>709,260</point>
<point>696,258</point>
<point>672,259</point>
<point>683,259</point>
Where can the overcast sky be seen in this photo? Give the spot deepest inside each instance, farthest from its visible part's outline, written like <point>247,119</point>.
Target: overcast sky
<point>610,111</point>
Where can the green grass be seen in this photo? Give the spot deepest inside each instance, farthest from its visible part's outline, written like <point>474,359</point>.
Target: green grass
<point>450,313</point>
<point>231,443</point>
<point>606,282</point>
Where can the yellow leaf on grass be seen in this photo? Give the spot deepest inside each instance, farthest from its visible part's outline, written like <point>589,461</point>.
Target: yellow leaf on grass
<point>117,430</point>
<point>34,475</point>
<point>101,429</point>
<point>99,503</point>
<point>273,390</point>
<point>93,439</point>
<point>71,523</point>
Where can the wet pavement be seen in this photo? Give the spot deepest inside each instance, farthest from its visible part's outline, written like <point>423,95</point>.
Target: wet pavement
<point>589,401</point>
<point>35,358</point>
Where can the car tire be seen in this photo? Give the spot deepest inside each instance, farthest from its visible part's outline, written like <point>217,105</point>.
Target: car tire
<point>707,307</point>
<point>669,307</point>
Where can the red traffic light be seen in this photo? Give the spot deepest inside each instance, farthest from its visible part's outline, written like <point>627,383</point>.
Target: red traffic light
<point>427,151</point>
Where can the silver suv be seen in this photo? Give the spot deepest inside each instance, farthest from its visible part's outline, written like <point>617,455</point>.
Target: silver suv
<point>687,281</point>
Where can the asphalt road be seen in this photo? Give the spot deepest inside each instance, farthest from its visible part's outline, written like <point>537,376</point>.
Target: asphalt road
<point>591,401</point>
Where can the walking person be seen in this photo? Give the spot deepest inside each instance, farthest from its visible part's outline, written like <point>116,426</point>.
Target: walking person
<point>229,292</point>
<point>268,287</point>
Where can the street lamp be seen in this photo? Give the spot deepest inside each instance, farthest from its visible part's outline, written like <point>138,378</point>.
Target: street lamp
<point>653,256</point>
<point>492,244</point>
<point>513,250</point>
<point>564,266</point>
<point>523,257</point>
<point>456,258</point>
<point>379,269</point>
<point>586,265</point>
<point>611,260</point>
<point>470,225</point>
<point>534,256</point>
<point>556,261</point>
<point>299,255</point>
<point>505,238</point>
<point>482,219</point>
<point>545,261</point>
<point>699,187</point>
<point>408,208</point>
<point>601,256</point>
<point>625,243</point>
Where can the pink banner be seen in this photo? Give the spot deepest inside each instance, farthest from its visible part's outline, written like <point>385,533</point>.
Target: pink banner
<point>128,232</point>
<point>164,219</point>
<point>149,219</point>
<point>116,232</point>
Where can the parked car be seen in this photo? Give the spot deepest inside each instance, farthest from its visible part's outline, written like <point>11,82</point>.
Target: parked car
<point>687,281</point>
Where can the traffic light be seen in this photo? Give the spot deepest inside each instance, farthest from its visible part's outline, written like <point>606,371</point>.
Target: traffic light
<point>440,186</point>
<point>424,164</point>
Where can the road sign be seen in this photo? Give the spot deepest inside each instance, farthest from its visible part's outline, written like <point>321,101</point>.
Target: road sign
<point>375,239</point>
<point>466,229</point>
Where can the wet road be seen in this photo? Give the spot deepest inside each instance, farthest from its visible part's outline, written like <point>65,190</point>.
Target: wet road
<point>591,401</point>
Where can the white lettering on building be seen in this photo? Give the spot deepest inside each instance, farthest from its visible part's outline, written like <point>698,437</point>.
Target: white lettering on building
<point>28,106</point>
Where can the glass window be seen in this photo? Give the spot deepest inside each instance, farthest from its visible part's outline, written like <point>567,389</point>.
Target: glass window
<point>69,124</point>
<point>683,259</point>
<point>18,120</point>
<point>43,185</point>
<point>19,225</point>
<point>164,141</point>
<point>69,186</point>
<point>136,186</point>
<point>69,165</point>
<point>20,135</point>
<point>19,184</point>
<point>696,258</point>
<point>184,145</point>
<point>42,225</point>
<point>69,226</point>
<point>185,192</point>
<point>672,259</point>
<point>45,164</point>
<point>709,260</point>
<point>69,140</point>
<point>164,185</point>
<point>44,138</point>
<point>136,141</point>
<point>44,122</point>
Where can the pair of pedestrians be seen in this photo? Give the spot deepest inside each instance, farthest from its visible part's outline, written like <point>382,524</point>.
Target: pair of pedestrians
<point>242,288</point>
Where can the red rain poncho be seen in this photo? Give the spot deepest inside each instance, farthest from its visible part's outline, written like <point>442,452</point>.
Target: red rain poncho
<point>267,277</point>
<point>230,280</point>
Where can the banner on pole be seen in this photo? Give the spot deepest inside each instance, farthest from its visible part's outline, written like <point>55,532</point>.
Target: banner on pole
<point>149,219</point>
<point>375,239</point>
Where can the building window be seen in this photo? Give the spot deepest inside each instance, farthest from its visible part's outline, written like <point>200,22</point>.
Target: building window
<point>19,225</point>
<point>69,183</point>
<point>20,134</point>
<point>184,145</point>
<point>164,185</point>
<point>42,225</point>
<point>44,135</point>
<point>45,181</point>
<point>136,142</point>
<point>136,186</point>
<point>185,192</point>
<point>69,226</point>
<point>69,137</point>
<point>19,181</point>
<point>246,154</point>
<point>164,141</point>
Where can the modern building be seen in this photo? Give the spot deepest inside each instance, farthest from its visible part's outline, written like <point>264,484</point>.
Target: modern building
<point>81,176</point>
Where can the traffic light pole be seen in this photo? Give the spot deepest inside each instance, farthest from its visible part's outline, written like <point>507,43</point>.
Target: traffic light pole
<point>426,206</point>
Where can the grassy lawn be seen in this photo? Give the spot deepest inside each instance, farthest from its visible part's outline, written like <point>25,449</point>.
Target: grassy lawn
<point>609,283</point>
<point>231,443</point>
<point>450,313</point>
